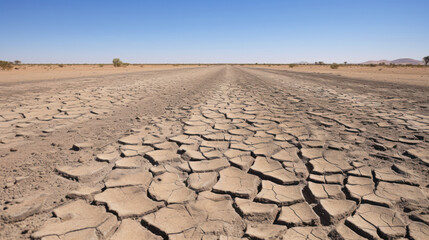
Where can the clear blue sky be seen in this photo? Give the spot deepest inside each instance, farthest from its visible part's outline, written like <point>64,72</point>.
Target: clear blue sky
<point>90,31</point>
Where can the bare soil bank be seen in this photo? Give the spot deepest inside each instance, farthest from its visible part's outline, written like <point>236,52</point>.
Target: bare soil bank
<point>25,73</point>
<point>400,74</point>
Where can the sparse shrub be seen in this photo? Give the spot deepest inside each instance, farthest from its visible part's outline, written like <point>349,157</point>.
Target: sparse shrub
<point>117,62</point>
<point>382,64</point>
<point>17,62</point>
<point>345,63</point>
<point>292,65</point>
<point>100,65</point>
<point>372,65</point>
<point>334,66</point>
<point>426,60</point>
<point>61,65</point>
<point>5,65</point>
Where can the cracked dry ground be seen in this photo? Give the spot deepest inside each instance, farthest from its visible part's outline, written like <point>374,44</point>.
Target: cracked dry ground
<point>216,153</point>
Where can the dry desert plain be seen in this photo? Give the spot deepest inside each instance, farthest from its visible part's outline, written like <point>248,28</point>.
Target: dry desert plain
<point>214,152</point>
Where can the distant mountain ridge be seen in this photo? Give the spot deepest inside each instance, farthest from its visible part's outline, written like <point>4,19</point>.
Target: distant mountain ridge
<point>399,61</point>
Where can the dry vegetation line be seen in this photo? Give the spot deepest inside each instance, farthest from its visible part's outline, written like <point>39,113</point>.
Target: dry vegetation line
<point>263,157</point>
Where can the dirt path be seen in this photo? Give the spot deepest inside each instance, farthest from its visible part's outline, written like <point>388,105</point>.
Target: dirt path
<point>213,152</point>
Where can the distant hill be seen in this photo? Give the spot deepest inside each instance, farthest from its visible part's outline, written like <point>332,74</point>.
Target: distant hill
<point>407,61</point>
<point>398,61</point>
<point>377,62</point>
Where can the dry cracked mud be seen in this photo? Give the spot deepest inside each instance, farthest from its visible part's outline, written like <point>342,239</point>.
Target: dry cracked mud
<point>219,152</point>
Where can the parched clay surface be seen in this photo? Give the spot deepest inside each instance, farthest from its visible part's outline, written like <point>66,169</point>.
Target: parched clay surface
<point>219,152</point>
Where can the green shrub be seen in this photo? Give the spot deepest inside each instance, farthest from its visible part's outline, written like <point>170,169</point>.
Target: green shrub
<point>60,65</point>
<point>17,62</point>
<point>334,66</point>
<point>117,62</point>
<point>292,65</point>
<point>100,65</point>
<point>5,65</point>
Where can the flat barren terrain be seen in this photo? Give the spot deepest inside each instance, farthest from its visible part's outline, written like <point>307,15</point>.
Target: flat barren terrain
<point>412,75</point>
<point>26,72</point>
<point>217,152</point>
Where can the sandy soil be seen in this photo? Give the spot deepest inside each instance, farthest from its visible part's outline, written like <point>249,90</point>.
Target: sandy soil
<point>24,72</point>
<point>400,74</point>
<point>208,152</point>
